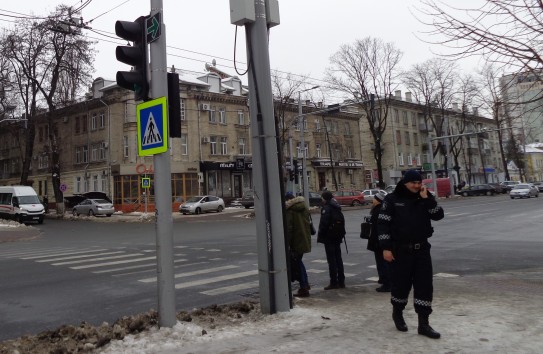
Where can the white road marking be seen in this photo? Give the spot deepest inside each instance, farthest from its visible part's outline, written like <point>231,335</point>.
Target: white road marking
<point>373,279</point>
<point>215,279</point>
<point>316,271</point>
<point>231,289</point>
<point>64,253</point>
<point>188,274</point>
<point>446,275</point>
<point>112,263</point>
<point>34,252</point>
<point>98,259</point>
<point>76,257</point>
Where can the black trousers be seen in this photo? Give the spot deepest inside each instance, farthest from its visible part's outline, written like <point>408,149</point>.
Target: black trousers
<point>412,268</point>
<point>335,263</point>
<point>383,268</point>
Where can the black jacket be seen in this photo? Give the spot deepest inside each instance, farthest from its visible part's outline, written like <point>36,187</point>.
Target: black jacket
<point>327,211</point>
<point>373,241</point>
<point>406,218</point>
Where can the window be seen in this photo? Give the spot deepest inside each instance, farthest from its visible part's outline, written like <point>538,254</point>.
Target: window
<point>349,152</point>
<point>335,127</point>
<point>213,145</point>
<point>77,125</point>
<point>222,116</point>
<point>102,121</point>
<point>297,125</point>
<point>398,137</point>
<point>400,159</point>
<point>184,144</point>
<point>78,184</point>
<point>125,146</point>
<point>418,160</point>
<point>415,139</point>
<point>183,109</point>
<point>405,118</point>
<point>85,154</point>
<point>94,122</point>
<point>43,161</point>
<point>94,152</point>
<point>95,182</point>
<point>347,128</point>
<point>396,116</point>
<point>318,150</point>
<point>241,146</point>
<point>407,140</point>
<point>212,116</point>
<point>84,124</point>
<point>317,125</point>
<point>102,151</point>
<point>304,121</point>
<point>224,147</point>
<point>241,118</point>
<point>409,160</point>
<point>413,119</point>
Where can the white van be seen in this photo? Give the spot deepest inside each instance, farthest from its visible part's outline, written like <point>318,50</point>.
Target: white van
<point>21,203</point>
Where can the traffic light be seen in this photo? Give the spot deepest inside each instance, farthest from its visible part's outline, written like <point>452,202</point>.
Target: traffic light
<point>296,171</point>
<point>174,106</point>
<point>136,55</point>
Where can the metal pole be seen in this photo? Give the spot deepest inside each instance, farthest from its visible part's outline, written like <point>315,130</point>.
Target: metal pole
<point>433,167</point>
<point>272,263</point>
<point>305,181</point>
<point>290,183</point>
<point>163,187</point>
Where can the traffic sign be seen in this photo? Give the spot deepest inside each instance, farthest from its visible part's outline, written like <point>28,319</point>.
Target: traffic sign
<point>146,182</point>
<point>63,188</point>
<point>152,120</point>
<point>152,28</point>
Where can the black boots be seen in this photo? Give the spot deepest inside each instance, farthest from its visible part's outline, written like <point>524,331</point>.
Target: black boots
<point>425,329</point>
<point>397,316</point>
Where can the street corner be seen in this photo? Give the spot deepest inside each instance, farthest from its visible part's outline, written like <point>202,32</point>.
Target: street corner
<point>12,231</point>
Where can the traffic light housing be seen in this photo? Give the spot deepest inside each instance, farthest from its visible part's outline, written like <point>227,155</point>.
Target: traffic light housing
<point>135,55</point>
<point>296,171</point>
<point>174,105</point>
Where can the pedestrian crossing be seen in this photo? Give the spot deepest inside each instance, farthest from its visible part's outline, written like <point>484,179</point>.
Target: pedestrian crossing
<point>196,268</point>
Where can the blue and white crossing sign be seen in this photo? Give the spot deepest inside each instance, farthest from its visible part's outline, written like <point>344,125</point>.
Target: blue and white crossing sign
<point>152,119</point>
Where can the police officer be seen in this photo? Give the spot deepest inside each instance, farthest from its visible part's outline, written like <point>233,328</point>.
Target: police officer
<point>404,226</point>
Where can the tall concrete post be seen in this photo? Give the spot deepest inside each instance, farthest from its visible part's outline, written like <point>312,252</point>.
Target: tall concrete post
<point>272,264</point>
<point>163,186</point>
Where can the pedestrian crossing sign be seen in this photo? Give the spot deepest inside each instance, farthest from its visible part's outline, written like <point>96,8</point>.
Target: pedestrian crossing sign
<point>152,121</point>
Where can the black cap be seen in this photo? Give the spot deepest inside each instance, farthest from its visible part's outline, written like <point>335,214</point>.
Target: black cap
<point>327,195</point>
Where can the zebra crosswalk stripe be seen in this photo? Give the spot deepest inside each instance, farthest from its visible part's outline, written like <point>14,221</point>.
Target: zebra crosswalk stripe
<point>231,288</point>
<point>215,279</point>
<point>112,263</point>
<point>188,274</point>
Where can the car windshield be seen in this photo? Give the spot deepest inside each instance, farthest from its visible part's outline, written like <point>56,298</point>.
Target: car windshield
<point>29,199</point>
<point>522,186</point>
<point>100,201</point>
<point>194,199</point>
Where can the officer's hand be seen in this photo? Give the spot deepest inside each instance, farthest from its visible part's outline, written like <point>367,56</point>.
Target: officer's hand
<point>424,192</point>
<point>388,256</point>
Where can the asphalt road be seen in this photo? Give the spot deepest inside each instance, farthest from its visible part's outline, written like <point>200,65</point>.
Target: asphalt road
<point>101,270</point>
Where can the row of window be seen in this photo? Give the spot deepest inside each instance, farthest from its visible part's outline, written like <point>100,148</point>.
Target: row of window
<point>97,152</point>
<point>332,126</point>
<point>407,136</point>
<point>96,121</point>
<point>405,117</point>
<point>219,116</point>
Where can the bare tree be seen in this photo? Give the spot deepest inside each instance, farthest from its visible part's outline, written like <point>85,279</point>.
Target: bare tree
<point>432,84</point>
<point>52,62</point>
<point>362,69</point>
<point>503,31</point>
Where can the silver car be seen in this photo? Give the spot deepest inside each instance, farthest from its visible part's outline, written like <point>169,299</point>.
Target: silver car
<point>93,207</point>
<point>202,204</point>
<point>522,190</point>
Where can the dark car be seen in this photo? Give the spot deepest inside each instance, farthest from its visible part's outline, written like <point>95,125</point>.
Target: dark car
<point>75,199</point>
<point>248,199</point>
<point>499,188</point>
<point>478,189</point>
<point>315,199</point>
<point>539,186</point>
<point>508,185</point>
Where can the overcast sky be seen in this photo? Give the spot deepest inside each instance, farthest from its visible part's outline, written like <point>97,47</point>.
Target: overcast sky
<point>199,31</point>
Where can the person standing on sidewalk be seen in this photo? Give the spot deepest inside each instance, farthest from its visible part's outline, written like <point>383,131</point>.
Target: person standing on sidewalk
<point>383,268</point>
<point>331,237</point>
<point>404,226</point>
<point>299,236</point>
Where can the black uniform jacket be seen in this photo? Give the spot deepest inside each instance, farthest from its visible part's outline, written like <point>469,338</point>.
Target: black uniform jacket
<point>405,217</point>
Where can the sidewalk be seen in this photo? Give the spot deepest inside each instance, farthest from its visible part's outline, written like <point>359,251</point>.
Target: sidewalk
<point>495,313</point>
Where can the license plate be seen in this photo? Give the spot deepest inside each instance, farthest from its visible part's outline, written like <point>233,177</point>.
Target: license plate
<point>36,218</point>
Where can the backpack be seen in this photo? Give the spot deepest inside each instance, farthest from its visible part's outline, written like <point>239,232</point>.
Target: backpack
<point>336,230</point>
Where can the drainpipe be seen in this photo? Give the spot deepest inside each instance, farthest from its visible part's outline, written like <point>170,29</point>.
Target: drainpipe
<point>108,149</point>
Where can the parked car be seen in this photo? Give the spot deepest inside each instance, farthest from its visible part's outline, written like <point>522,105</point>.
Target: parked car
<point>508,185</point>
<point>478,189</point>
<point>93,207</point>
<point>248,199</point>
<point>75,199</point>
<point>369,193</point>
<point>499,188</point>
<point>522,190</point>
<point>539,186</point>
<point>202,204</point>
<point>390,188</point>
<point>443,186</point>
<point>315,199</point>
<point>349,197</point>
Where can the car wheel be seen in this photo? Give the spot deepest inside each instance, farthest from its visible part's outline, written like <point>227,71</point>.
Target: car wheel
<point>198,211</point>
<point>512,197</point>
<point>108,215</point>
<point>91,213</point>
<point>75,213</point>
<point>355,203</point>
<point>184,213</point>
<point>20,219</point>
<point>40,221</point>
<point>247,207</point>
<point>489,193</point>
<point>465,194</point>
<point>219,209</point>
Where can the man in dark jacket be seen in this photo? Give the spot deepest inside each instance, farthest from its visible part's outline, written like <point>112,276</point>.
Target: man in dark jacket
<point>383,267</point>
<point>404,226</point>
<point>299,236</point>
<point>331,236</point>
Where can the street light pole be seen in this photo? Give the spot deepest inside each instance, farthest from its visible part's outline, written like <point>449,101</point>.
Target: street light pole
<point>305,182</point>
